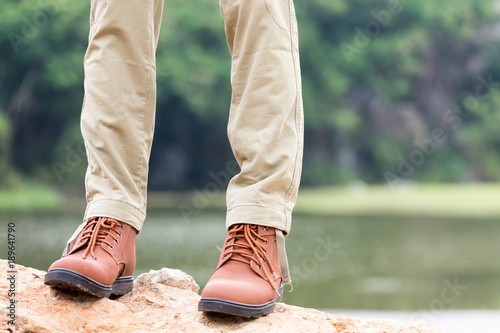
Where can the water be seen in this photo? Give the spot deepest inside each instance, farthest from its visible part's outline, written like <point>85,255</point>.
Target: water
<point>419,265</point>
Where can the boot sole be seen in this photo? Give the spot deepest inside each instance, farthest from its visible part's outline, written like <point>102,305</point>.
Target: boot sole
<point>70,280</point>
<point>239,309</point>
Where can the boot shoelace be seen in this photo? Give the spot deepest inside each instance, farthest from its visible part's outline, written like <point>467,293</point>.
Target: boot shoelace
<point>96,232</point>
<point>247,238</point>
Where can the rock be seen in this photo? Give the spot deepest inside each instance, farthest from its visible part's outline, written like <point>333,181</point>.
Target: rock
<point>169,277</point>
<point>162,301</point>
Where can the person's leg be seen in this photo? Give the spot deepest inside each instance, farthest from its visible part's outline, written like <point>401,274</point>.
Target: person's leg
<point>117,124</point>
<point>266,134</point>
<point>119,107</point>
<point>266,119</point>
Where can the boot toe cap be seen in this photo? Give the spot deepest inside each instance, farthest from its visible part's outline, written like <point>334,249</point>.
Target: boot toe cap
<point>240,291</point>
<point>88,267</point>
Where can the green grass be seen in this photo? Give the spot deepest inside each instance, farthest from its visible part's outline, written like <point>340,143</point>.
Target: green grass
<point>29,196</point>
<point>454,201</point>
<point>439,200</point>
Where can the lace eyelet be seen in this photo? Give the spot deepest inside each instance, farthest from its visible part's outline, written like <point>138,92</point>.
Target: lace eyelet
<point>263,260</point>
<point>116,241</point>
<point>119,235</point>
<point>266,241</point>
<point>259,267</point>
<point>224,258</point>
<point>266,229</point>
<point>265,251</point>
<point>111,247</point>
<point>121,226</point>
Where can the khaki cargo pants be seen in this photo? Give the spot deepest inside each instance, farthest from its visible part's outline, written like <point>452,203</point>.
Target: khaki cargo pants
<point>265,126</point>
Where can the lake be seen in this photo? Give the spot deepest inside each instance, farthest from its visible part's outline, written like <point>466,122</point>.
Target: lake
<point>420,265</point>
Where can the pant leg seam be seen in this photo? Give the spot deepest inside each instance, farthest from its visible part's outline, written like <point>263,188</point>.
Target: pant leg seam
<point>297,110</point>
<point>141,178</point>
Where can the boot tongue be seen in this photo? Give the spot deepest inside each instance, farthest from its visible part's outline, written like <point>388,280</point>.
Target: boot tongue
<point>84,237</point>
<point>96,232</point>
<point>241,245</point>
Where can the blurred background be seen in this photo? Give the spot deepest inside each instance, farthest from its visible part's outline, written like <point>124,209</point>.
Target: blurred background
<point>399,206</point>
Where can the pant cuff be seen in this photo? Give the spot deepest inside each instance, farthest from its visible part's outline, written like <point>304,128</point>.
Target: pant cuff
<point>118,210</point>
<point>261,215</point>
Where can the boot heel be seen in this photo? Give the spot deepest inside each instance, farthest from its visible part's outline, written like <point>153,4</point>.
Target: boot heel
<point>122,286</point>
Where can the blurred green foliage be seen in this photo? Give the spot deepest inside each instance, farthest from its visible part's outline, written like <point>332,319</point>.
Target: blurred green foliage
<point>4,151</point>
<point>379,78</point>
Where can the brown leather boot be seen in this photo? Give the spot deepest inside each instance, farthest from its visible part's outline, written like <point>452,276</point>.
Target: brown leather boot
<point>247,281</point>
<point>101,262</point>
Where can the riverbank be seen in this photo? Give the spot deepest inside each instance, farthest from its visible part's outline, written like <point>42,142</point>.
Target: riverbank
<point>439,200</point>
<point>30,196</point>
<point>436,200</point>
